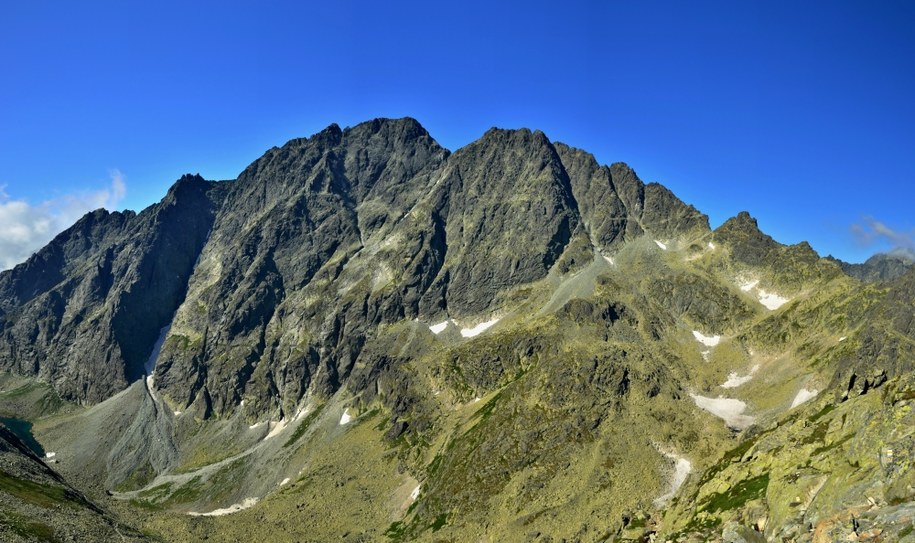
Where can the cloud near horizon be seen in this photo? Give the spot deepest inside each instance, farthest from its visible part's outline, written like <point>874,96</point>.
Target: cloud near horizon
<point>872,231</point>
<point>25,228</point>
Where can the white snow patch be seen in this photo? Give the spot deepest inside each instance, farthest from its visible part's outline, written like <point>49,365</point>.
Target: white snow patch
<point>802,396</point>
<point>276,428</point>
<point>749,285</point>
<point>682,468</point>
<point>728,409</point>
<point>708,341</point>
<point>478,329</point>
<point>150,364</point>
<point>345,418</point>
<point>843,338</point>
<point>415,493</point>
<point>439,328</point>
<point>706,354</point>
<point>608,259</point>
<point>770,299</point>
<point>735,380</point>
<point>661,245</point>
<point>475,400</point>
<point>235,508</point>
<point>711,245</point>
<point>284,481</point>
<point>50,455</point>
<point>178,413</point>
<point>241,403</point>
<point>256,425</point>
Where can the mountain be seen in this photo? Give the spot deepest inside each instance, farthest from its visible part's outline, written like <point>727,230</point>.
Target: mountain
<point>881,266</point>
<point>368,337</point>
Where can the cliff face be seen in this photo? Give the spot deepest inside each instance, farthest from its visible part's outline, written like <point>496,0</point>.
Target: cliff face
<point>83,312</point>
<point>269,286</point>
<point>368,337</point>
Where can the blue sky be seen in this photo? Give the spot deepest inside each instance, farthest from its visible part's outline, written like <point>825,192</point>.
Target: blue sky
<point>800,112</point>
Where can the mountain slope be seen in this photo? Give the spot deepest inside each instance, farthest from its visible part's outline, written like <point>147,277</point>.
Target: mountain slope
<point>36,504</point>
<point>368,337</point>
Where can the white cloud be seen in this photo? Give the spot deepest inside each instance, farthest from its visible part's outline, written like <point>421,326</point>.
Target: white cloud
<point>871,231</point>
<point>25,228</point>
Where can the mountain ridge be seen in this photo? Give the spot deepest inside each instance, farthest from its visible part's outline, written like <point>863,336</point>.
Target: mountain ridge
<point>509,341</point>
<point>328,175</point>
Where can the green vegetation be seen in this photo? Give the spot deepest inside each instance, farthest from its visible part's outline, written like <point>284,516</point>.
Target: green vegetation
<point>42,495</point>
<point>396,531</point>
<point>27,528</point>
<point>828,408</point>
<point>740,494</point>
<point>439,522</point>
<point>139,478</point>
<point>303,426</point>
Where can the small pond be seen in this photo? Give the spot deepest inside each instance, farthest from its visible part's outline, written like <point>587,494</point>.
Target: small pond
<point>23,430</point>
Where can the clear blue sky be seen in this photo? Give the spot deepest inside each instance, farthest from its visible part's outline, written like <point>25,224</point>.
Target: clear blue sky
<point>802,113</point>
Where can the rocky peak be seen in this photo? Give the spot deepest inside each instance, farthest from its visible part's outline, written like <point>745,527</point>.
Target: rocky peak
<point>750,244</point>
<point>435,233</point>
<point>509,185</point>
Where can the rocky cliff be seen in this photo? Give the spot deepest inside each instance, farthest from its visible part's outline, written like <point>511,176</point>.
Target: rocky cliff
<point>367,337</point>
<point>237,274</point>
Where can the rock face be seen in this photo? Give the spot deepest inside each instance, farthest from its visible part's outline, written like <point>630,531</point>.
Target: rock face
<point>83,312</point>
<point>272,283</point>
<point>368,337</point>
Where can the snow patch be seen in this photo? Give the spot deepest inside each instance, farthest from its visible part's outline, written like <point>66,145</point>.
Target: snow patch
<point>728,409</point>
<point>178,413</point>
<point>345,418</point>
<point>662,245</point>
<point>682,468</point>
<point>608,259</point>
<point>843,338</point>
<point>415,493</point>
<point>478,329</point>
<point>50,455</point>
<point>284,481</point>
<point>276,428</point>
<point>708,341</point>
<point>440,327</point>
<point>711,245</point>
<point>302,412</point>
<point>706,354</point>
<point>802,396</point>
<point>150,364</point>
<point>735,380</point>
<point>235,508</point>
<point>748,286</point>
<point>256,425</point>
<point>770,299</point>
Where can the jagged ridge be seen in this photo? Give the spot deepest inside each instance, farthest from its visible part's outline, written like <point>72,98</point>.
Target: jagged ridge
<point>398,225</point>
